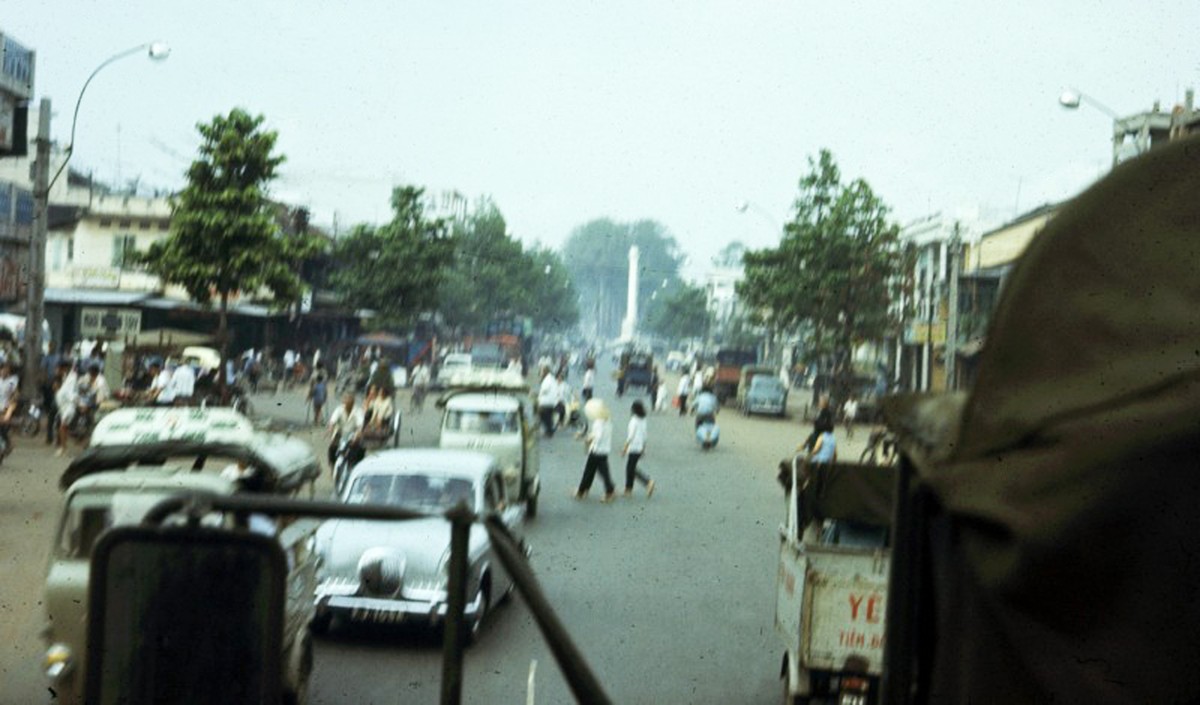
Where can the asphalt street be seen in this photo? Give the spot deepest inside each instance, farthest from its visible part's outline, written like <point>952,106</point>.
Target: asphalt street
<point>669,598</point>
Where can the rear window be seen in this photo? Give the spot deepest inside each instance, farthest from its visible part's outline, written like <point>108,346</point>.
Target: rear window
<point>485,422</point>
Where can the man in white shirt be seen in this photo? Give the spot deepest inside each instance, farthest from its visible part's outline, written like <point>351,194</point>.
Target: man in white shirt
<point>685,384</point>
<point>849,414</point>
<point>347,422</point>
<point>697,383</point>
<point>589,381</point>
<point>183,384</point>
<point>8,401</point>
<point>94,386</point>
<point>547,399</point>
<point>161,389</point>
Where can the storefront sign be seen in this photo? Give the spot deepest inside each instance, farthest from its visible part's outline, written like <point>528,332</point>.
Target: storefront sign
<point>109,322</point>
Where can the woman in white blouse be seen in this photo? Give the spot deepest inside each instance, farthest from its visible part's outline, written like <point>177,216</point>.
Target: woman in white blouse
<point>635,445</point>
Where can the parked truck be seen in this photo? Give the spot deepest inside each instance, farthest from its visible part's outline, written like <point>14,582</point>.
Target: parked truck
<point>730,362</point>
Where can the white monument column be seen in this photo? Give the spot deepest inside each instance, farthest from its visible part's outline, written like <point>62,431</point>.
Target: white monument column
<point>629,326</point>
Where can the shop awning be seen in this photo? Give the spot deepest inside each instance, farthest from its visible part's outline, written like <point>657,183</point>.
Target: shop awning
<point>95,297</point>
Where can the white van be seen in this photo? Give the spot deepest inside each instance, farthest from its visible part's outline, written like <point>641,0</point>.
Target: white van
<point>138,457</point>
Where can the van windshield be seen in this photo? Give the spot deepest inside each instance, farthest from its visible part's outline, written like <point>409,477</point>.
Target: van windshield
<point>485,422</point>
<point>87,516</point>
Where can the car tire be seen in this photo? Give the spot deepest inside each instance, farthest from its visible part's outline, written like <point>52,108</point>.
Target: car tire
<point>321,624</point>
<point>476,627</point>
<point>531,507</point>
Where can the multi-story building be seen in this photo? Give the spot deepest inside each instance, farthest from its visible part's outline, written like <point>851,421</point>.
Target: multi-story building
<point>919,359</point>
<point>720,293</point>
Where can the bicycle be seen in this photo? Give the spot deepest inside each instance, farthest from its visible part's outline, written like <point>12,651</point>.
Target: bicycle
<point>881,449</point>
<point>30,422</point>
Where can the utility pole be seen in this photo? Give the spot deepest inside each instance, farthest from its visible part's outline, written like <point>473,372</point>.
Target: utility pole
<point>952,311</point>
<point>36,278</point>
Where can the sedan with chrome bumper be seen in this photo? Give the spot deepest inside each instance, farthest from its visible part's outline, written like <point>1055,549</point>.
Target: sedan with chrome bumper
<point>392,572</point>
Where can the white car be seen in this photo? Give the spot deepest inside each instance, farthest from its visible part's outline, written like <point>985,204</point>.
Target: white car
<point>395,572</point>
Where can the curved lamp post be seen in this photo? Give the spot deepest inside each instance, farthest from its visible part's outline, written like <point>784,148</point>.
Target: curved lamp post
<point>157,51</point>
<point>1071,99</point>
<point>42,183</point>
<point>744,205</point>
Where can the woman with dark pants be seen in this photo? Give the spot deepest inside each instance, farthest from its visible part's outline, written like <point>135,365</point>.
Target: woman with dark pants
<point>635,445</point>
<point>599,443</point>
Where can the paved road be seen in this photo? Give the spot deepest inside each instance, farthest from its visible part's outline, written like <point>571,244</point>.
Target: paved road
<point>669,598</point>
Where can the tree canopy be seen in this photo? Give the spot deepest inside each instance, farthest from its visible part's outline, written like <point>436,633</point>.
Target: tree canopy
<point>396,269</point>
<point>493,275</point>
<point>224,240</point>
<point>835,270</point>
<point>683,314</point>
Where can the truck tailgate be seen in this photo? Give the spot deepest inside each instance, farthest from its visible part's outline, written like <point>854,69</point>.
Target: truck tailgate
<point>845,599</point>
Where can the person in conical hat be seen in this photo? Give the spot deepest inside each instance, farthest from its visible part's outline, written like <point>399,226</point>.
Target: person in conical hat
<point>599,445</point>
<point>596,409</point>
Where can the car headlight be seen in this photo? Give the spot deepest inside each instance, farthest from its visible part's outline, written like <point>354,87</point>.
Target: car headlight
<point>57,661</point>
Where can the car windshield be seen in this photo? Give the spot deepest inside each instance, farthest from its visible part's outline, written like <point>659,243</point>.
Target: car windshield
<point>484,422</point>
<point>412,490</point>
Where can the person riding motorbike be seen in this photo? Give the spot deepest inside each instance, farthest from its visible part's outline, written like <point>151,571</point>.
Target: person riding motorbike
<point>346,422</point>
<point>706,407</point>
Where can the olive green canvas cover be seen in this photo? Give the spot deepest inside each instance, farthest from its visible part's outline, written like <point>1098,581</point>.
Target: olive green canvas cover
<point>1064,550</point>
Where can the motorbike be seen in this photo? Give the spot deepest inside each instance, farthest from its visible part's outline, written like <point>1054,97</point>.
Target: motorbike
<point>81,424</point>
<point>708,433</point>
<point>343,463</point>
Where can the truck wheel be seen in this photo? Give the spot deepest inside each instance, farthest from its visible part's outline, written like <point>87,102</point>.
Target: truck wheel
<point>788,698</point>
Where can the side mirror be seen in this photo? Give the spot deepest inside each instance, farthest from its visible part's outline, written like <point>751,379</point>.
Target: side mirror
<point>184,615</point>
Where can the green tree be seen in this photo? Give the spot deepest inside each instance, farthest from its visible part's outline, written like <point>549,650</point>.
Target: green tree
<point>835,270</point>
<point>493,276</point>
<point>597,255</point>
<point>683,314</point>
<point>395,269</point>
<point>224,239</point>
<point>490,273</point>
<point>554,303</point>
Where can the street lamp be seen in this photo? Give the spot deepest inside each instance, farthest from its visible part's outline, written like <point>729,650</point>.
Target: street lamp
<point>35,290</point>
<point>158,51</point>
<point>1070,99</point>
<point>744,205</point>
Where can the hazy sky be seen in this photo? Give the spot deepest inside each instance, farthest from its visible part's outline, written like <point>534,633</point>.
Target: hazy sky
<point>566,111</point>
